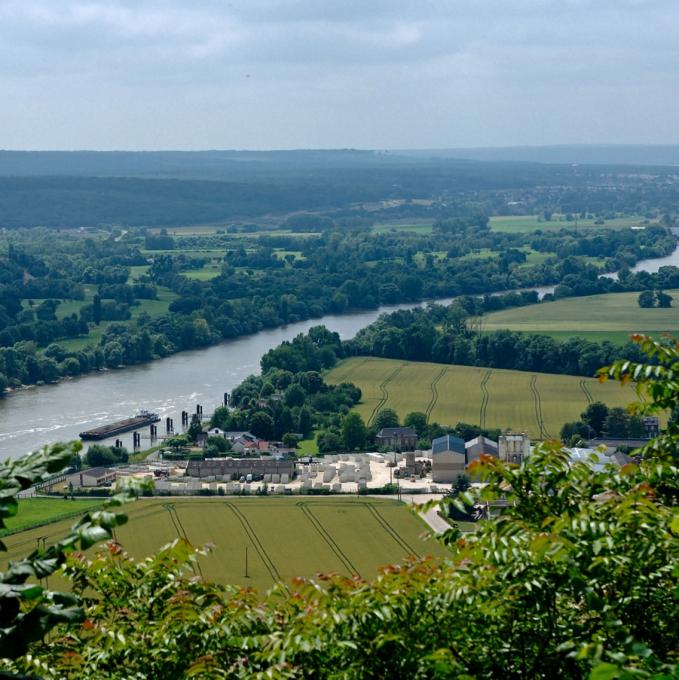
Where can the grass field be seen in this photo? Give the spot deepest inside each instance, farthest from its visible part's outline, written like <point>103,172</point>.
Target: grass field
<point>612,317</point>
<point>536,403</point>
<point>523,223</point>
<point>35,511</point>
<point>285,537</point>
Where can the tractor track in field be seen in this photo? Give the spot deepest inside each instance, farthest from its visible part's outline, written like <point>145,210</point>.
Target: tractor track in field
<point>385,394</point>
<point>388,528</point>
<point>434,392</point>
<point>343,375</point>
<point>586,392</point>
<point>327,537</point>
<point>537,402</point>
<point>181,532</point>
<point>256,543</point>
<point>484,399</point>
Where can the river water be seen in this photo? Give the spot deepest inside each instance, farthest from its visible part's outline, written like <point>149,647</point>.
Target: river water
<point>48,413</point>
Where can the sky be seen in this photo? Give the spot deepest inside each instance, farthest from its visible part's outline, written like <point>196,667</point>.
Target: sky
<point>380,74</point>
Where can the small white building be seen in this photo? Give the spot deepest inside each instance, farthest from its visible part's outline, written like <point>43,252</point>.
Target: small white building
<point>97,476</point>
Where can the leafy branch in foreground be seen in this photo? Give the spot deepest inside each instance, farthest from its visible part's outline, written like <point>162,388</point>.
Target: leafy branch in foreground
<point>27,610</point>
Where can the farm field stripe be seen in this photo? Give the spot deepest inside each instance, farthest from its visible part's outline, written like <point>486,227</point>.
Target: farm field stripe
<point>434,393</point>
<point>484,400</point>
<point>388,528</point>
<point>385,393</point>
<point>316,523</point>
<point>249,532</point>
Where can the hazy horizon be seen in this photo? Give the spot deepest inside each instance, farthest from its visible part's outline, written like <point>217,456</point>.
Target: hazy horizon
<point>299,74</point>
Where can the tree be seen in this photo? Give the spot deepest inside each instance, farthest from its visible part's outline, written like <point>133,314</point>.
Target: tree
<point>617,423</point>
<point>96,309</point>
<point>663,299</point>
<point>354,431</point>
<point>646,299</point>
<point>177,443</point>
<point>305,421</point>
<point>385,417</point>
<point>294,396</point>
<point>195,428</point>
<point>290,439</point>
<point>329,441</point>
<point>595,416</point>
<point>261,424</point>
<point>417,420</point>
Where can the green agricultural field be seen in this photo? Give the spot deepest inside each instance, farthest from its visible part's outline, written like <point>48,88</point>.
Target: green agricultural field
<point>413,225</point>
<point>285,537</point>
<point>536,403</point>
<point>612,317</point>
<point>523,223</point>
<point>41,510</point>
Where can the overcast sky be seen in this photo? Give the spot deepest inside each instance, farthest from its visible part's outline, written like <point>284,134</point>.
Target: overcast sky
<point>200,74</point>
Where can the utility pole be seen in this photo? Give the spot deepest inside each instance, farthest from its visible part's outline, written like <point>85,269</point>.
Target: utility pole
<point>246,562</point>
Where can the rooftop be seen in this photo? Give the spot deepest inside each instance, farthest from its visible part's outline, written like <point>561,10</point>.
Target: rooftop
<point>448,443</point>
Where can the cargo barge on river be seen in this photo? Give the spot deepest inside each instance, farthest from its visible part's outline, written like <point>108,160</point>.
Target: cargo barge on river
<point>140,420</point>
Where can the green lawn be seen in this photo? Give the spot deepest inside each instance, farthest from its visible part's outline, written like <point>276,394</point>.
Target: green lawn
<point>614,312</point>
<point>524,223</point>
<point>204,274</point>
<point>284,537</point>
<point>38,511</point>
<point>536,403</point>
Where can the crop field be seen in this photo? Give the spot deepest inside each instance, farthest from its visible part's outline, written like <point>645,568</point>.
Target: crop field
<point>524,223</point>
<point>536,403</point>
<point>285,537</point>
<point>615,313</point>
<point>35,511</point>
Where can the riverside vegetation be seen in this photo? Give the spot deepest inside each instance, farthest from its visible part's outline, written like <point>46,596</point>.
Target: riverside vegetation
<point>576,578</point>
<point>75,301</point>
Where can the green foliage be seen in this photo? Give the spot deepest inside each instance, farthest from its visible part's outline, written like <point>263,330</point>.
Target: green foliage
<point>385,417</point>
<point>28,611</point>
<point>354,432</point>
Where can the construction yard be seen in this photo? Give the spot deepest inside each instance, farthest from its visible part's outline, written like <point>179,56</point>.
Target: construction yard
<point>535,403</point>
<point>284,537</point>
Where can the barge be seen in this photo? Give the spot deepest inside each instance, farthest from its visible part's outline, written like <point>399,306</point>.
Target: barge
<point>111,430</point>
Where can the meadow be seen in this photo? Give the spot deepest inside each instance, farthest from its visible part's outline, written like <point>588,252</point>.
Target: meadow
<point>284,537</point>
<point>37,511</point>
<point>612,316</point>
<point>525,223</point>
<point>535,403</point>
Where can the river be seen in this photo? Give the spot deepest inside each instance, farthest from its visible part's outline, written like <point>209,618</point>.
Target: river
<point>43,414</point>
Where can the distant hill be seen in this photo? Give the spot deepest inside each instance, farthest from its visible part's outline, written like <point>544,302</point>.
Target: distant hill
<point>596,154</point>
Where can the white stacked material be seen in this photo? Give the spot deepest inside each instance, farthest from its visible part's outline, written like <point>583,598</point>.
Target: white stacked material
<point>318,485</point>
<point>246,488</point>
<point>306,484</point>
<point>267,479</point>
<point>275,479</point>
<point>329,473</point>
<point>230,487</point>
<point>337,487</point>
<point>313,474</point>
<point>280,489</point>
<point>214,486</point>
<point>285,478</point>
<point>344,457</point>
<point>347,476</point>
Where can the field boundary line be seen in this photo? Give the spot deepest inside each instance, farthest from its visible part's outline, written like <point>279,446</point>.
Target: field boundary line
<point>587,393</point>
<point>385,393</point>
<point>327,537</point>
<point>254,539</point>
<point>434,392</point>
<point>485,397</point>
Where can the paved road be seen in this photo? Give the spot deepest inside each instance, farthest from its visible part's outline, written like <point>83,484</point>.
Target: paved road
<point>431,517</point>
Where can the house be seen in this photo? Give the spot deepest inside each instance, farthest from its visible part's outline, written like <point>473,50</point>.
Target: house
<point>513,448</point>
<point>399,438</point>
<point>216,432</point>
<point>480,446</point>
<point>448,459</point>
<point>97,476</point>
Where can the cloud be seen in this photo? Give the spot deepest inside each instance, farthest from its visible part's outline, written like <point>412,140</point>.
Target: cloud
<point>338,68</point>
